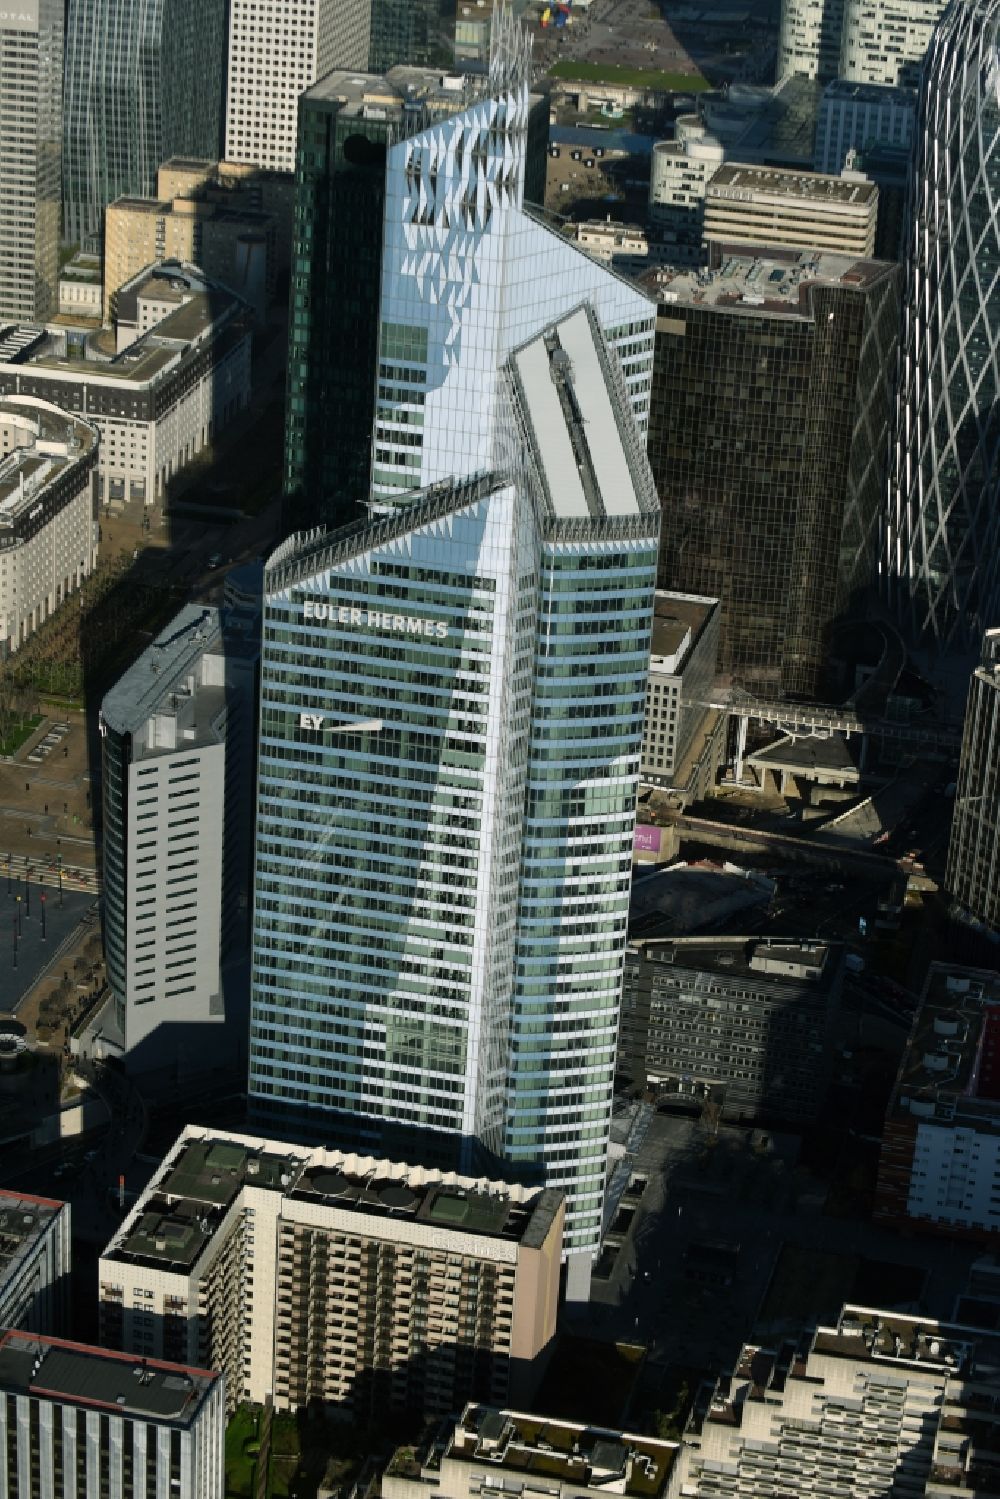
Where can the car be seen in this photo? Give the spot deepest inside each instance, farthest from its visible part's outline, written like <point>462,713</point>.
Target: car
<point>215,560</point>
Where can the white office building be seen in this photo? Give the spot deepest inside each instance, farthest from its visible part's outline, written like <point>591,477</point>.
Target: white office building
<point>99,1425</point>
<point>679,173</point>
<point>864,41</point>
<point>31,80</point>
<point>278,49</point>
<point>886,41</point>
<point>177,733</point>
<point>682,664</point>
<point>750,205</point>
<point>48,532</point>
<point>34,1262</point>
<point>180,375</point>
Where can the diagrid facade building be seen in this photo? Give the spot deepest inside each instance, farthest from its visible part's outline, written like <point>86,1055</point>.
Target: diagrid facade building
<point>943,556</point>
<point>452,705</point>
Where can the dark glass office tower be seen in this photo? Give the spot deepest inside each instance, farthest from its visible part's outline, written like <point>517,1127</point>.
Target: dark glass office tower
<point>414,32</point>
<point>767,438</point>
<point>144,80</point>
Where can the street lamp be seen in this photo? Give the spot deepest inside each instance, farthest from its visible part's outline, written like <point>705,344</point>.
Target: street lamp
<point>42,899</point>
<point>59,866</point>
<point>27,892</point>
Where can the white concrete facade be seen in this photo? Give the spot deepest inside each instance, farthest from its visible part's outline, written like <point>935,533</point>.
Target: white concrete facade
<point>857,116</point>
<point>176,735</point>
<point>278,49</point>
<point>235,1289</point>
<point>48,535</point>
<point>680,170</point>
<point>175,385</point>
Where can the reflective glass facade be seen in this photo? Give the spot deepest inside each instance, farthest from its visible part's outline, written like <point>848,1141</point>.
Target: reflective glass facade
<point>413,32</point>
<point>346,125</point>
<point>144,81</point>
<point>943,556</point>
<point>451,714</point>
<point>453,691</point>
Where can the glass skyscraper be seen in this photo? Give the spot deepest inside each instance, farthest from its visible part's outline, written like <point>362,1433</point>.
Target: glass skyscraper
<point>31,62</point>
<point>346,124</point>
<point>414,32</point>
<point>768,436</point>
<point>452,698</point>
<point>943,544</point>
<point>144,80</point>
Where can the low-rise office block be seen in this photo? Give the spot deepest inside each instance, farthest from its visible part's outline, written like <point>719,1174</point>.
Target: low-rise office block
<point>742,1022</point>
<point>751,205</point>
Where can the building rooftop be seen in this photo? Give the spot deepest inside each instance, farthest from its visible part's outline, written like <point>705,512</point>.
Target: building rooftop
<point>739,182</point>
<point>163,669</point>
<point>870,93</point>
<point>202,309</point>
<point>801,962</point>
<point>23,1220</point>
<point>94,1377</point>
<point>689,897</point>
<point>577,424</point>
<point>617,1462</point>
<point>678,620</point>
<point>772,125</point>
<point>206,1171</point>
<point>773,281</point>
<point>950,1070</point>
<point>875,1336</point>
<point>183,677</point>
<point>61,440</point>
<point>384,95</point>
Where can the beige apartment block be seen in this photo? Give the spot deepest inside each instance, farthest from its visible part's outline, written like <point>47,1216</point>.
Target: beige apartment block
<point>750,205</point>
<point>230,242</point>
<point>310,1275</point>
<point>492,1452</point>
<point>877,1404</point>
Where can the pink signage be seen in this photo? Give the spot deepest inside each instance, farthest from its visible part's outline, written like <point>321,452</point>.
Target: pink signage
<point>647,839</point>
